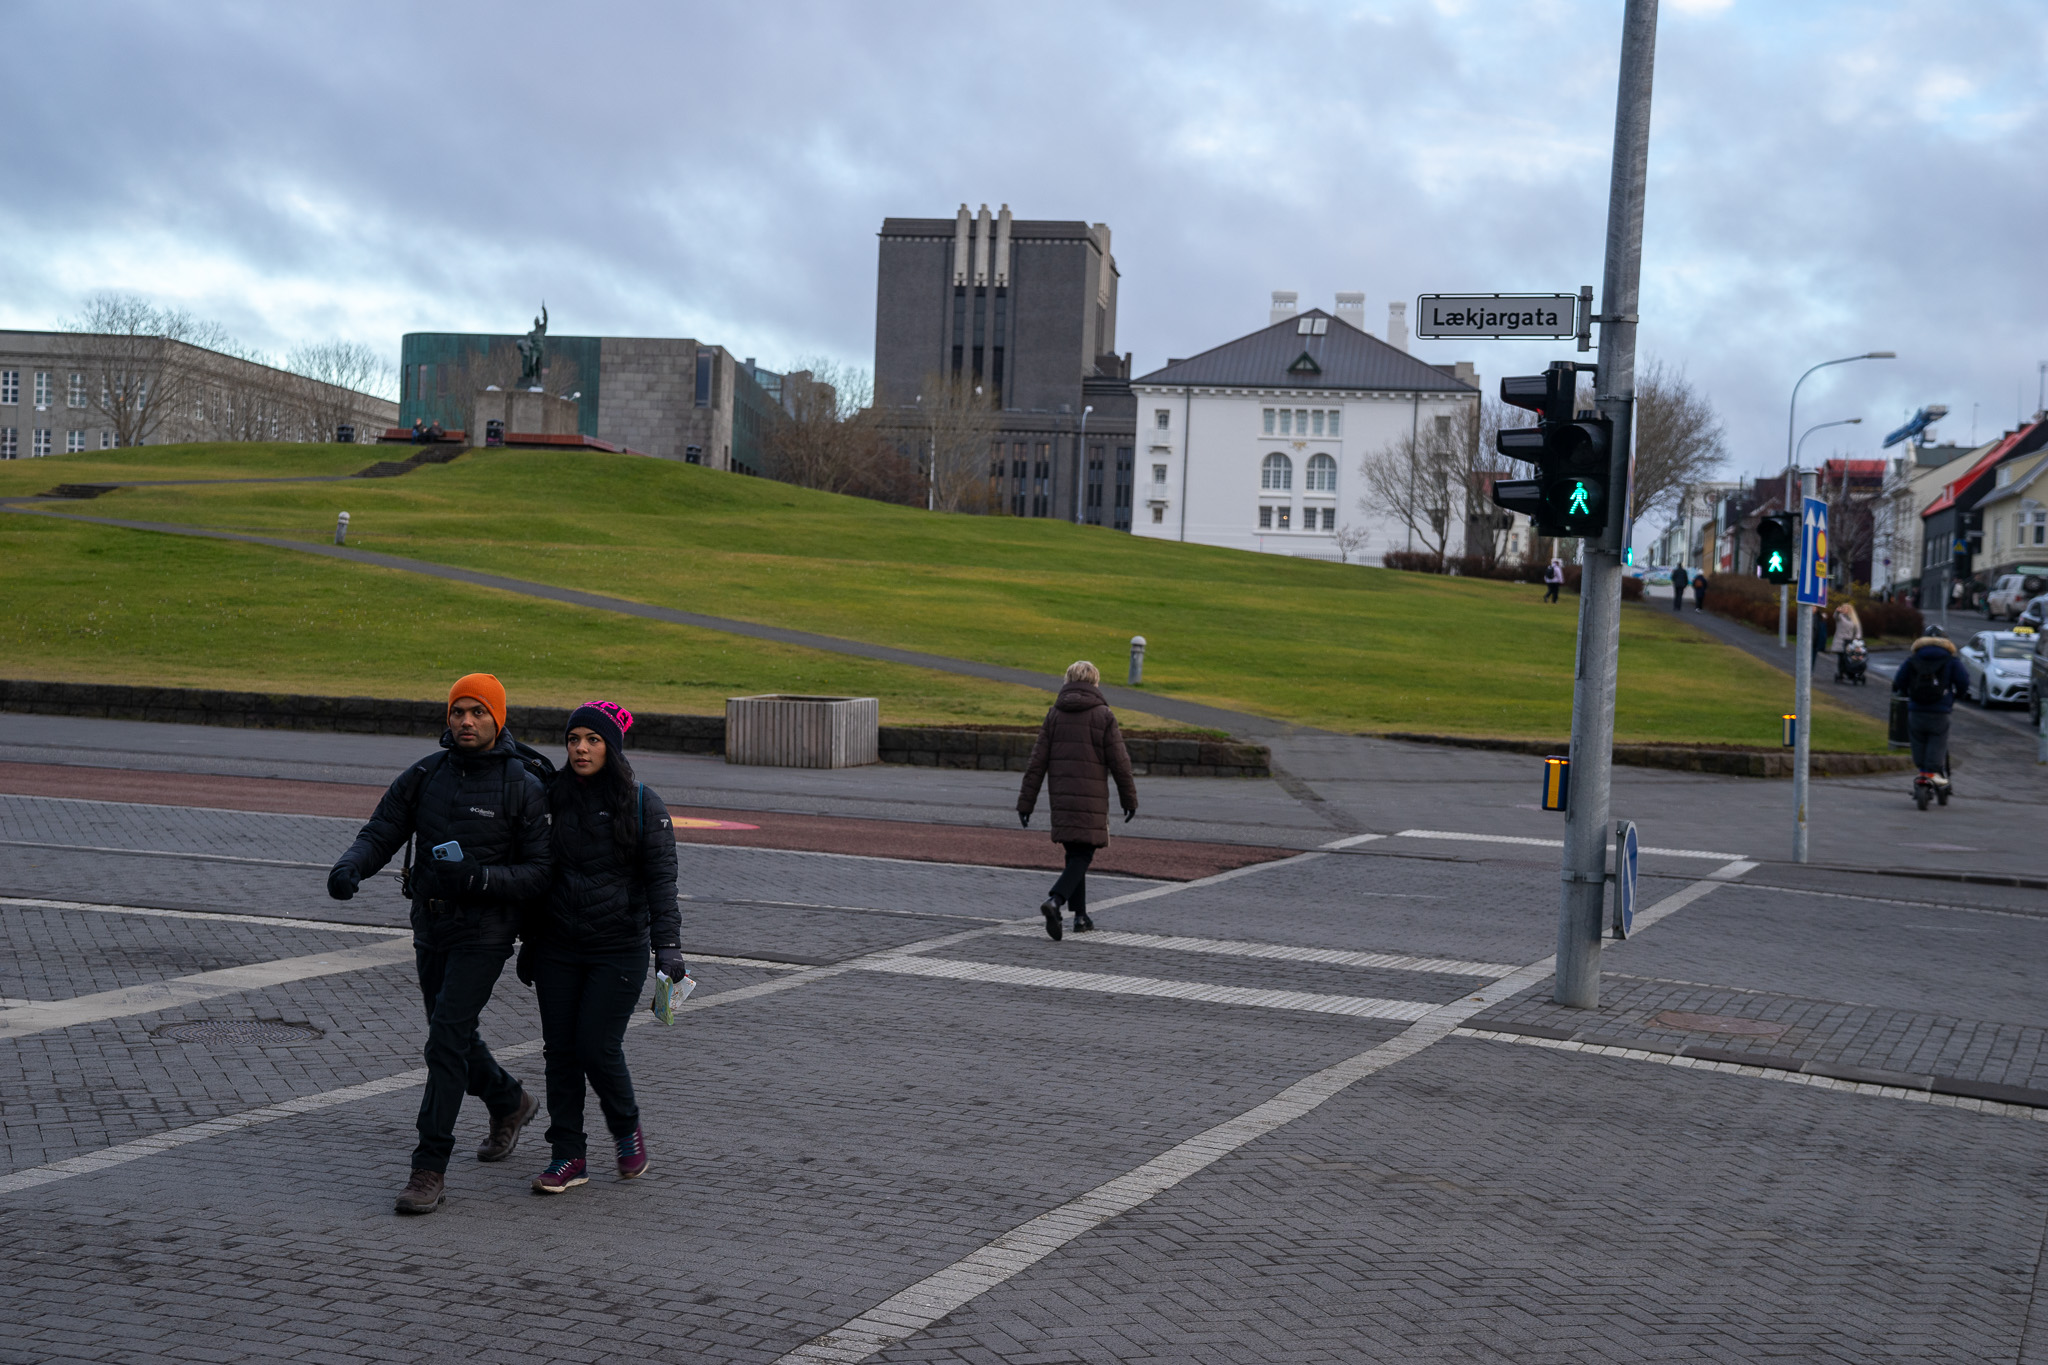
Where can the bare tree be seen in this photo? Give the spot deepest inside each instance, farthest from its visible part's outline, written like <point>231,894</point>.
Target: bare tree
<point>830,440</point>
<point>338,375</point>
<point>140,363</point>
<point>958,424</point>
<point>1351,540</point>
<point>1678,437</point>
<point>1439,479</point>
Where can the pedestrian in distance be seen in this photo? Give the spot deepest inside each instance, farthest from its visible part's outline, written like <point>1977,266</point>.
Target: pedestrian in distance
<point>611,899</point>
<point>1931,679</point>
<point>1699,591</point>
<point>1553,579</point>
<point>473,820</point>
<point>1079,749</point>
<point>1820,634</point>
<point>1848,630</point>
<point>1678,585</point>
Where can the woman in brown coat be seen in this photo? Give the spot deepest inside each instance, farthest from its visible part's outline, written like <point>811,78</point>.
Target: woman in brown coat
<point>1079,748</point>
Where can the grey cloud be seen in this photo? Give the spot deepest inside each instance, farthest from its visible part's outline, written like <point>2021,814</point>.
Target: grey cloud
<point>1827,178</point>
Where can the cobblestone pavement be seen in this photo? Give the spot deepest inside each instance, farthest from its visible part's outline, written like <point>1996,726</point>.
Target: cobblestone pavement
<point>1335,1081</point>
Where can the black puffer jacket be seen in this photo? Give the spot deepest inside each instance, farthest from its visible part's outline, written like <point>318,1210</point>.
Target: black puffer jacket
<point>1079,750</point>
<point>493,806</point>
<point>606,897</point>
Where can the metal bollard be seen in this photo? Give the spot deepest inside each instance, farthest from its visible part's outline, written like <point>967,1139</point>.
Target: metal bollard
<point>1137,660</point>
<point>341,529</point>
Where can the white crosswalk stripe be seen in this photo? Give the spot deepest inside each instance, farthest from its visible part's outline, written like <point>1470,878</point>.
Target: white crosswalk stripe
<point>1358,1006</point>
<point>1283,952</point>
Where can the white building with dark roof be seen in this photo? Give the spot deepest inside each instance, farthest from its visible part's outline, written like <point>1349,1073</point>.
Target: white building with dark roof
<point>1258,443</point>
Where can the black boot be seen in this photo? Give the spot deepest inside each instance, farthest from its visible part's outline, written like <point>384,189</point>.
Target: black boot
<point>1051,911</point>
<point>1082,924</point>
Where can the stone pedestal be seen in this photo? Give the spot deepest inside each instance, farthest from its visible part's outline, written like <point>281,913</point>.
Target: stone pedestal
<point>523,412</point>
<point>803,732</point>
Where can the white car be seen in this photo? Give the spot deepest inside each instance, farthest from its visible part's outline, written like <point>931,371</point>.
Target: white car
<point>2008,596</point>
<point>2000,665</point>
<point>2036,613</point>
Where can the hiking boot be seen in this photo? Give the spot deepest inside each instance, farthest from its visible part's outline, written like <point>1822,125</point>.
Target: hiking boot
<point>1082,924</point>
<point>632,1154</point>
<point>505,1131</point>
<point>423,1193</point>
<point>1051,911</point>
<point>563,1174</point>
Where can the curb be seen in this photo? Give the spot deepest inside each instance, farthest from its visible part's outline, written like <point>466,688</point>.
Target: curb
<point>1728,760</point>
<point>992,748</point>
<point>1834,1071</point>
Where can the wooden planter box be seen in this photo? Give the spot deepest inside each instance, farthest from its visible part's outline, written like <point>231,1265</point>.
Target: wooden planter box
<point>803,732</point>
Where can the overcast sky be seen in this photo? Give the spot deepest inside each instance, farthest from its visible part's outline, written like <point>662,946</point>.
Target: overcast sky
<point>1825,178</point>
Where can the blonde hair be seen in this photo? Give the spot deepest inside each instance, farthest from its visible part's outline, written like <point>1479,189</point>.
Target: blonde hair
<point>1082,671</point>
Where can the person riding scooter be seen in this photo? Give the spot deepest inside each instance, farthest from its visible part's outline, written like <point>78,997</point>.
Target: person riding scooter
<point>1931,679</point>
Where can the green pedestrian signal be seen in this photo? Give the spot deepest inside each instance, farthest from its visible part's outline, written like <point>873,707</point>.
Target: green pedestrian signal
<point>1581,504</point>
<point>1569,449</point>
<point>1775,535</point>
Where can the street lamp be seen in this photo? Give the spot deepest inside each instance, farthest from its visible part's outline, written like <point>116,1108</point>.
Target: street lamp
<point>1080,448</point>
<point>1844,422</point>
<point>931,469</point>
<point>1792,453</point>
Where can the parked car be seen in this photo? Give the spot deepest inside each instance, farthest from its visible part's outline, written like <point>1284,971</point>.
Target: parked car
<point>2040,687</point>
<point>2008,596</point>
<point>2000,665</point>
<point>2035,613</point>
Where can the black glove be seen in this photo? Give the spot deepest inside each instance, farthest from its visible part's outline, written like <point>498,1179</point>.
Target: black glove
<point>522,966</point>
<point>1024,818</point>
<point>669,962</point>
<point>342,881</point>
<point>455,881</point>
<point>1130,815</point>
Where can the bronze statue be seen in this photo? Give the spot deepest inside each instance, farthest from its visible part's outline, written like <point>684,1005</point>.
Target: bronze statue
<point>533,350</point>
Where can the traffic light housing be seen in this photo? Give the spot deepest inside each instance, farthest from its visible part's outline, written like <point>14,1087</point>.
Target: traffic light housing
<point>1777,541</point>
<point>1572,452</point>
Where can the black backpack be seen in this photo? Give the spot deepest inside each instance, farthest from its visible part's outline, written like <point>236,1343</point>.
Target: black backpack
<point>1929,683</point>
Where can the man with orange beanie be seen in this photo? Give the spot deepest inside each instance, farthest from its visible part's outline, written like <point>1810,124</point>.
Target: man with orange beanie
<point>475,818</point>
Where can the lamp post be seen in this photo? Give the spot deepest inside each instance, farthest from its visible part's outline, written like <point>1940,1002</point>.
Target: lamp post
<point>1791,451</point>
<point>1080,452</point>
<point>931,469</point>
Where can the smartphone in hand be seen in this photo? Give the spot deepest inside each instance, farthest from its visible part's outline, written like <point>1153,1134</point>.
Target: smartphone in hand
<point>450,852</point>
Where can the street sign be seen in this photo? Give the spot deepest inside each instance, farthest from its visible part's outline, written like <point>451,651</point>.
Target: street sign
<point>1813,553</point>
<point>1625,858</point>
<point>1497,315</point>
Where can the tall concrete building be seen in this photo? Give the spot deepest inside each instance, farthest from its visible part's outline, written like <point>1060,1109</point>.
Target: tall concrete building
<point>1024,310</point>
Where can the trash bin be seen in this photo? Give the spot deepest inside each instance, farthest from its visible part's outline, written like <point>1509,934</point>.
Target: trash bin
<point>1898,736</point>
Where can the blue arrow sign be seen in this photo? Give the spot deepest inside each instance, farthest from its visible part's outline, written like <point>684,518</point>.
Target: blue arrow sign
<point>1626,858</point>
<point>1813,553</point>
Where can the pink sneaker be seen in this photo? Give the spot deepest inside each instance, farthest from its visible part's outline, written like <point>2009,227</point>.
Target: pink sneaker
<point>562,1175</point>
<point>632,1154</point>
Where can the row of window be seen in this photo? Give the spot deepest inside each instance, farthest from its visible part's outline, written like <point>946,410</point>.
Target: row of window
<point>1281,518</point>
<point>43,441</point>
<point>1304,421</point>
<point>2028,528</point>
<point>1276,474</point>
<point>44,391</point>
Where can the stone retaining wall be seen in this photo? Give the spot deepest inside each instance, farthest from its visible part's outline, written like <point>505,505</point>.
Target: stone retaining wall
<point>1728,761</point>
<point>997,748</point>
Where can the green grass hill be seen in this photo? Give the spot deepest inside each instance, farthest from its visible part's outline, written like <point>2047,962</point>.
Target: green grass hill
<point>1346,647</point>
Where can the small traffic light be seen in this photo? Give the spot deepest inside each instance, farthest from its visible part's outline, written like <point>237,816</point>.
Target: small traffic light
<point>1571,451</point>
<point>1776,535</point>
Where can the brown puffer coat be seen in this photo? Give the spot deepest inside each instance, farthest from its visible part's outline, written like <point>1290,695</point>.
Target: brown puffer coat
<point>1078,750</point>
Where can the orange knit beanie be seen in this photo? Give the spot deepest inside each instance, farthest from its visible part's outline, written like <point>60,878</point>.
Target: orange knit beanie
<point>486,689</point>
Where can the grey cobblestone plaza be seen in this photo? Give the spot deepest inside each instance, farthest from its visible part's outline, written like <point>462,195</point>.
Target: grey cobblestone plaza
<point>1356,1127</point>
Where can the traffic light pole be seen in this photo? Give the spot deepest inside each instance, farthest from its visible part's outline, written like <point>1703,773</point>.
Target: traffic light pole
<point>1580,920</point>
<point>1802,700</point>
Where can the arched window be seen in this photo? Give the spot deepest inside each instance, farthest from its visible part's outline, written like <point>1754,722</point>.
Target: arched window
<point>1322,474</point>
<point>1277,472</point>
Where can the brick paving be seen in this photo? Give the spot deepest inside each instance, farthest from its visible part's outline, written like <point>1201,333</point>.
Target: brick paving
<point>820,1149</point>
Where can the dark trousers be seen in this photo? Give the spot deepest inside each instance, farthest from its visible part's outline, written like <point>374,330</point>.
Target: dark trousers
<point>1928,731</point>
<point>1699,598</point>
<point>1677,596</point>
<point>1550,591</point>
<point>456,985</point>
<point>585,1003</point>
<point>1071,890</point>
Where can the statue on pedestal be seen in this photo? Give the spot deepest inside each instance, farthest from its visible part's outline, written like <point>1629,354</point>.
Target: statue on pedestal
<point>533,351</point>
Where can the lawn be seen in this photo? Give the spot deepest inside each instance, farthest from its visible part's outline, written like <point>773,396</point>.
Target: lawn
<point>93,604</point>
<point>1346,647</point>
